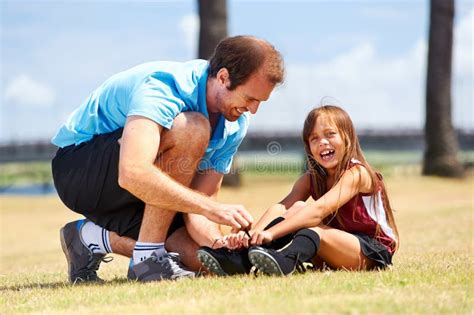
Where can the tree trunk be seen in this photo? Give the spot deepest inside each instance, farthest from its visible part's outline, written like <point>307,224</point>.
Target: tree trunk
<point>213,28</point>
<point>442,147</point>
<point>213,25</point>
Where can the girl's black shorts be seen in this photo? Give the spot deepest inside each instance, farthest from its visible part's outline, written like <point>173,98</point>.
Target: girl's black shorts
<point>374,250</point>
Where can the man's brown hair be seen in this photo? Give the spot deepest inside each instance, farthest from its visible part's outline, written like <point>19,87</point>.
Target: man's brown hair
<point>244,55</point>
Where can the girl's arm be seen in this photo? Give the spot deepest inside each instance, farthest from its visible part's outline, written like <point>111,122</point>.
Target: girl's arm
<point>353,181</point>
<point>300,192</point>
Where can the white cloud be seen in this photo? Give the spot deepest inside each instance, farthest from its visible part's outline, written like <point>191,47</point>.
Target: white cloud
<point>25,91</point>
<point>189,26</point>
<point>377,91</point>
<point>463,45</point>
<point>463,71</point>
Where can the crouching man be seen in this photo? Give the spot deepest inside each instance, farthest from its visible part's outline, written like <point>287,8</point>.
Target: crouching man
<point>144,156</point>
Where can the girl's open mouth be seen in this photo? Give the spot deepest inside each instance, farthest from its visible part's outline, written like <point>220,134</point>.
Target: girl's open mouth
<point>327,155</point>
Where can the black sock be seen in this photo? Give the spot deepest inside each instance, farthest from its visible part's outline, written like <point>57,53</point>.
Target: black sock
<point>282,241</point>
<point>305,245</point>
<point>274,222</point>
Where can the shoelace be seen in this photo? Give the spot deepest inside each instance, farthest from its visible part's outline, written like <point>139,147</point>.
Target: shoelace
<point>299,266</point>
<point>175,257</point>
<point>255,271</point>
<point>171,261</point>
<point>90,271</point>
<point>94,262</point>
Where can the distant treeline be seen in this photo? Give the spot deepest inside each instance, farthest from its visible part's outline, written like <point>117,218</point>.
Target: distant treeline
<point>260,141</point>
<point>369,140</point>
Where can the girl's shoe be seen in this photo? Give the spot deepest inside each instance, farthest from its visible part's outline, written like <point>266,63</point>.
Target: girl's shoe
<point>224,262</point>
<point>272,262</point>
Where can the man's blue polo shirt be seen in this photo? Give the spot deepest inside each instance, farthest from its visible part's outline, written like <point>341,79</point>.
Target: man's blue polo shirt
<point>158,91</point>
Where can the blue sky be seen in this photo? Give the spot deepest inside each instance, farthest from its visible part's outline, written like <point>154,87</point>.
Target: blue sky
<point>368,56</point>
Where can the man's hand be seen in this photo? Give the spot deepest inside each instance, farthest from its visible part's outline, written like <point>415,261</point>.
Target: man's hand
<point>235,216</point>
<point>261,237</point>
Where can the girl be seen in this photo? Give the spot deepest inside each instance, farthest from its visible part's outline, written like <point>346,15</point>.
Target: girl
<point>349,226</point>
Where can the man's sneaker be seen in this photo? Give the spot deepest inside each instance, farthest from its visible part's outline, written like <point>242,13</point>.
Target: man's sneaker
<point>224,262</point>
<point>82,262</point>
<point>166,267</point>
<point>272,262</point>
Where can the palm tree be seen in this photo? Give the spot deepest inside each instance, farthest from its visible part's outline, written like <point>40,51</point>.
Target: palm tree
<point>213,25</point>
<point>440,157</point>
<point>213,28</point>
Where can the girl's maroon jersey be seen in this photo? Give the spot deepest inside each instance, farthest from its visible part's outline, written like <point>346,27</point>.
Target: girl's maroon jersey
<point>364,213</point>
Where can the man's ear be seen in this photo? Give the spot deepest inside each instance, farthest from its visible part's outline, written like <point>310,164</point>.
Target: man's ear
<point>223,77</point>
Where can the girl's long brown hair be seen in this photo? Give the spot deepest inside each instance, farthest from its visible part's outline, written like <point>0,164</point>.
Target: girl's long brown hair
<point>352,150</point>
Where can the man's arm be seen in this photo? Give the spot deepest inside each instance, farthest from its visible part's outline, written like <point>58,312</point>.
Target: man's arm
<point>203,231</point>
<point>139,175</point>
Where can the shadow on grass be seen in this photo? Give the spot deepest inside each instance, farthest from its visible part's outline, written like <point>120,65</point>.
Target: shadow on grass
<point>123,281</point>
<point>63,284</point>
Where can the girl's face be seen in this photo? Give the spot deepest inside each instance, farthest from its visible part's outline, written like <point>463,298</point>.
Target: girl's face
<point>326,144</point>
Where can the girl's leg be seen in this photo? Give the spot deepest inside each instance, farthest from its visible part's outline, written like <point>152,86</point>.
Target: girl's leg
<point>341,250</point>
<point>303,247</point>
<point>284,240</point>
<point>318,263</point>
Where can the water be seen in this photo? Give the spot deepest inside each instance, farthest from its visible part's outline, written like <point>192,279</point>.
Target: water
<point>30,190</point>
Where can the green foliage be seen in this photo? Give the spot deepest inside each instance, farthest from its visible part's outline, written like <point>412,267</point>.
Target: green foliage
<point>387,162</point>
<point>25,173</point>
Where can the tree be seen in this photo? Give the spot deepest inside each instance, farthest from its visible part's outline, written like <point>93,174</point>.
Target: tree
<point>213,28</point>
<point>213,25</point>
<point>440,157</point>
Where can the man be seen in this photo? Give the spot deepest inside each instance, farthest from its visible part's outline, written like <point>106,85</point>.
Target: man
<point>154,141</point>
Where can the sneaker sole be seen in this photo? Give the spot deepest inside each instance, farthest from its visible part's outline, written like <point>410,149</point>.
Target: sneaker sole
<point>210,263</point>
<point>66,252</point>
<point>265,263</point>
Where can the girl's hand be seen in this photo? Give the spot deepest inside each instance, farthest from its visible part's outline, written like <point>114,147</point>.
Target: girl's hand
<point>261,237</point>
<point>236,240</point>
<point>219,242</point>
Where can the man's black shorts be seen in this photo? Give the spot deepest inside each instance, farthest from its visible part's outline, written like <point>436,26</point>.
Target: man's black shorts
<point>86,179</point>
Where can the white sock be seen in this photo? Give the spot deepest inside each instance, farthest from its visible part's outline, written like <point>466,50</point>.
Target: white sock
<point>96,238</point>
<point>144,250</point>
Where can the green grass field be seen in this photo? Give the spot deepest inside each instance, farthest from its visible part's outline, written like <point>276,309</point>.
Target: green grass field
<point>432,272</point>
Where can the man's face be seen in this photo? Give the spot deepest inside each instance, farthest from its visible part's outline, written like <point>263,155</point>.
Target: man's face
<point>244,98</point>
